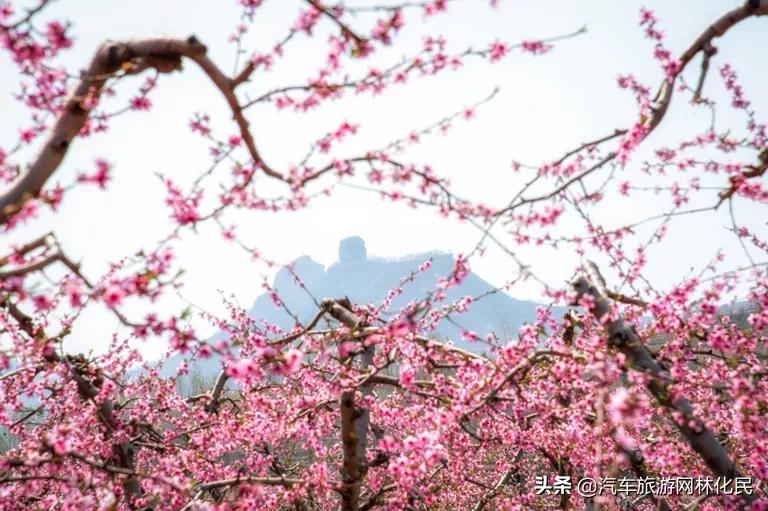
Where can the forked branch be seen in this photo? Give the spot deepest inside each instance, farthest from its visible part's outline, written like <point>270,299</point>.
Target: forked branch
<point>623,337</point>
<point>118,58</point>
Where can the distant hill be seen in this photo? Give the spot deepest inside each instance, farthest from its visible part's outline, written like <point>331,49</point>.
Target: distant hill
<point>365,280</point>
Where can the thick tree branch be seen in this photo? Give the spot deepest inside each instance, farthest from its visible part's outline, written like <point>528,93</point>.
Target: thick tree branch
<point>352,473</point>
<point>354,420</point>
<point>218,388</point>
<point>702,44</point>
<point>115,58</point>
<point>623,337</point>
<point>31,267</point>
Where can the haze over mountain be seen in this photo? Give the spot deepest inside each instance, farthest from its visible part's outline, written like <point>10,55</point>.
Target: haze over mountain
<point>364,279</point>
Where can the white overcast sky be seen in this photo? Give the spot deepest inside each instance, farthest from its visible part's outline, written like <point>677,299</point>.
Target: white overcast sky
<point>546,106</point>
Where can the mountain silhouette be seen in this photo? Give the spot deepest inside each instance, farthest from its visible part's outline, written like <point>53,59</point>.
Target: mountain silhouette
<point>367,280</point>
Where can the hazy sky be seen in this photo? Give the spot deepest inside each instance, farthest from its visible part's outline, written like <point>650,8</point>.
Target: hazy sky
<point>546,106</point>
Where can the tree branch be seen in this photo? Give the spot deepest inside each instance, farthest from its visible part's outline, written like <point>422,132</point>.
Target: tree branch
<point>623,337</point>
<point>354,421</point>
<point>31,267</point>
<point>488,497</point>
<point>351,469</point>
<point>266,481</point>
<point>118,58</point>
<point>702,43</point>
<point>348,32</point>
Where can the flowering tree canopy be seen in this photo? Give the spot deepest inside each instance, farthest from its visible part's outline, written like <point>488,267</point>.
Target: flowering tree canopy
<point>363,407</point>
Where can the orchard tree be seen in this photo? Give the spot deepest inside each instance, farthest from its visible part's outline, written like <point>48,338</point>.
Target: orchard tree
<point>362,408</point>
